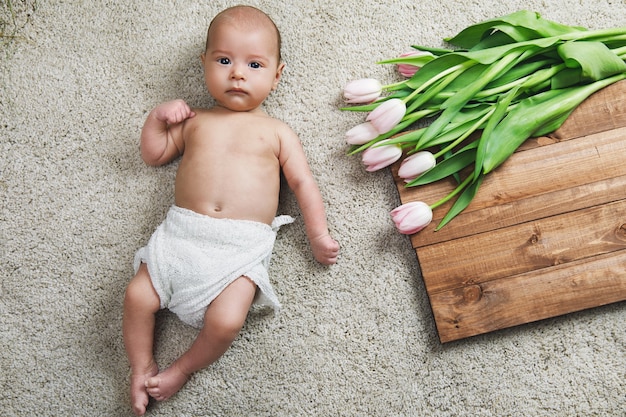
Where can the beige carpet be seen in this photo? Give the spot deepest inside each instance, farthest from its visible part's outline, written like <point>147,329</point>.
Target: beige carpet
<point>356,339</point>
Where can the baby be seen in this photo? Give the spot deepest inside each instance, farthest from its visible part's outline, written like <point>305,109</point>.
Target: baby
<point>207,262</point>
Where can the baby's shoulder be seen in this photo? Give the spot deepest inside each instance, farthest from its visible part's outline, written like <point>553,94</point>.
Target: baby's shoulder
<point>269,124</point>
<point>282,129</point>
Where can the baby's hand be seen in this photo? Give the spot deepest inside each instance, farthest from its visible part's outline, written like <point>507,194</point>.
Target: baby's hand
<point>173,112</point>
<point>325,249</point>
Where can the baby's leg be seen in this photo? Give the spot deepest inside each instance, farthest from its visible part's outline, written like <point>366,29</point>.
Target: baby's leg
<point>223,320</point>
<point>141,302</point>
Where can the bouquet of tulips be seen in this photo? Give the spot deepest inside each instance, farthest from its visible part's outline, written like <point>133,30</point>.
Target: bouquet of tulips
<point>514,77</point>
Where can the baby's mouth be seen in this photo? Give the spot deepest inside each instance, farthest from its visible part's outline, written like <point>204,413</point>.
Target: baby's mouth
<point>237,91</point>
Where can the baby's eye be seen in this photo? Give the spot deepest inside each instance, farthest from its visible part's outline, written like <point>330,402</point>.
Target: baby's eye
<point>224,61</point>
<point>255,65</point>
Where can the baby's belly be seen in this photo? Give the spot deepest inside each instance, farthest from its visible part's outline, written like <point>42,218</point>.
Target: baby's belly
<point>235,193</point>
<point>260,212</point>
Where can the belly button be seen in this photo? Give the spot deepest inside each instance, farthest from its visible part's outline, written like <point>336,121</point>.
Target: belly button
<point>218,209</point>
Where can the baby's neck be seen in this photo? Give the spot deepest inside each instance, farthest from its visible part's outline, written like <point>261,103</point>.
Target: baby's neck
<point>223,109</point>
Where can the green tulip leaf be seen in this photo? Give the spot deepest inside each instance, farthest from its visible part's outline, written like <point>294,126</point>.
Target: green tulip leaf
<point>594,58</point>
<point>521,26</point>
<point>434,51</point>
<point>568,77</point>
<point>447,167</point>
<point>419,60</point>
<point>521,71</point>
<point>435,68</point>
<point>499,113</point>
<point>462,202</point>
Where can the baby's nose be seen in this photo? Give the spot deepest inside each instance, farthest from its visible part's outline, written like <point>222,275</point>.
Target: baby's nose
<point>237,72</point>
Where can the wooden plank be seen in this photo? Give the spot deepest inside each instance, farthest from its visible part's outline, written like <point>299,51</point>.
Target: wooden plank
<point>481,308</point>
<point>524,247</point>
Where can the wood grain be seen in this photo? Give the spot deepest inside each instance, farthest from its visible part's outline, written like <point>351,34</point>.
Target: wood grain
<point>536,295</point>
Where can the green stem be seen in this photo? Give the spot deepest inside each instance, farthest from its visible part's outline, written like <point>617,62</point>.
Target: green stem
<point>602,35</point>
<point>454,192</point>
<point>434,90</point>
<point>620,52</point>
<point>408,120</point>
<point>505,87</point>
<point>465,135</point>
<point>394,86</point>
<point>542,76</point>
<point>459,67</point>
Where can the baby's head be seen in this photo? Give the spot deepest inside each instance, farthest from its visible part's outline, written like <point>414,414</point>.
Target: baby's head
<point>247,17</point>
<point>242,60</point>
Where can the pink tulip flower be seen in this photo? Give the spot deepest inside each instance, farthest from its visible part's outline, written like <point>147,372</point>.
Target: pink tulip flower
<point>415,165</point>
<point>378,157</point>
<point>361,134</point>
<point>409,70</point>
<point>365,90</point>
<point>387,115</point>
<point>412,217</point>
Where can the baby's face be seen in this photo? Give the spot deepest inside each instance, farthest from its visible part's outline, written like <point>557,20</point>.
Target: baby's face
<point>241,65</point>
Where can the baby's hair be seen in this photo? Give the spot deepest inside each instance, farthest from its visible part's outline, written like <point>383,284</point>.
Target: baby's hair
<point>251,17</point>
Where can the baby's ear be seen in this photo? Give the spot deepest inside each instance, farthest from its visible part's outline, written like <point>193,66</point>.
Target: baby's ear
<point>279,73</point>
<point>202,58</point>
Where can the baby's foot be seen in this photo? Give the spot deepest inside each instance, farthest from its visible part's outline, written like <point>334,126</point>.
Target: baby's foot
<point>138,394</point>
<point>166,383</point>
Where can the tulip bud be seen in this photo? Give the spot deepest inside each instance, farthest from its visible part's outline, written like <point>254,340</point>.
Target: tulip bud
<point>387,115</point>
<point>365,90</point>
<point>415,165</point>
<point>379,157</point>
<point>361,134</point>
<point>412,217</point>
<point>409,70</point>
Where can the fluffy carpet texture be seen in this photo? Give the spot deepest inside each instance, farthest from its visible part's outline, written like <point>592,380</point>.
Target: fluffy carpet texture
<point>77,80</point>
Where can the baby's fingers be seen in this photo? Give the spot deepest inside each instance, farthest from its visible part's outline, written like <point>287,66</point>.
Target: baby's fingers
<point>180,114</point>
<point>174,112</point>
<point>328,254</point>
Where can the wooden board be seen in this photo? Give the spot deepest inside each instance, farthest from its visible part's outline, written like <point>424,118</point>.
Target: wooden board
<point>544,236</point>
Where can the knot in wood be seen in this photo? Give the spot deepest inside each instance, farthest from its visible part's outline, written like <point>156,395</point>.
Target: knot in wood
<point>472,294</point>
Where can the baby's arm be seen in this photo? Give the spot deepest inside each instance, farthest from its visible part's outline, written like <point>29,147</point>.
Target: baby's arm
<point>298,175</point>
<point>161,136</point>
